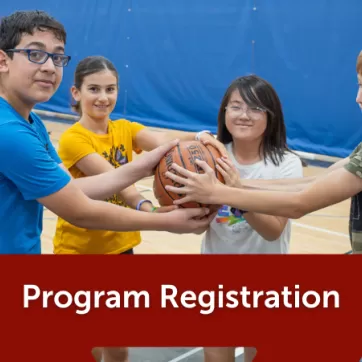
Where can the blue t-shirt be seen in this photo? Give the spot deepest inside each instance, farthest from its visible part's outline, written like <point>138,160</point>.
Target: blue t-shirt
<point>29,169</point>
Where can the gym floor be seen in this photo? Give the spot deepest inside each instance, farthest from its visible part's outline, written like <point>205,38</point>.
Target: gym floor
<point>174,354</point>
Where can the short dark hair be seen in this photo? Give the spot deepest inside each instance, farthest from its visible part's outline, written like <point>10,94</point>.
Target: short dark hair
<point>257,92</point>
<point>15,25</point>
<point>87,66</point>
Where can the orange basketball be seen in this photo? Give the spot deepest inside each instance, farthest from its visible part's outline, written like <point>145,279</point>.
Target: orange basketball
<point>184,155</point>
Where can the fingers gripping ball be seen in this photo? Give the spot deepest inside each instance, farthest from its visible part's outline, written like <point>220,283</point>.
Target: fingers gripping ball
<point>184,155</point>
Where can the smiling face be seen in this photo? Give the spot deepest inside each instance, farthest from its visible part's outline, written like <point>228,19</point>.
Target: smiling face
<point>251,111</point>
<point>97,95</point>
<point>28,82</point>
<point>243,122</point>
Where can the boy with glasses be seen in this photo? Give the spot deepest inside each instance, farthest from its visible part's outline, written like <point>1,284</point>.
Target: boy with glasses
<point>32,58</point>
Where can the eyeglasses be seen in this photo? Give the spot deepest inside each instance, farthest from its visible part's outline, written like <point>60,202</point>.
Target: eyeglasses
<point>40,56</point>
<point>253,112</point>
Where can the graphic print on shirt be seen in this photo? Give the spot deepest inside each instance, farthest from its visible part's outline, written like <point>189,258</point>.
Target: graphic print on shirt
<point>117,156</point>
<point>231,217</point>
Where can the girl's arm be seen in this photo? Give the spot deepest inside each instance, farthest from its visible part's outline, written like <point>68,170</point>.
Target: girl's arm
<point>147,139</point>
<point>94,164</point>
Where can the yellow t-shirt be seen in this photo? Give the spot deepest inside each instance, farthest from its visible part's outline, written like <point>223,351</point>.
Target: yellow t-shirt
<point>116,147</point>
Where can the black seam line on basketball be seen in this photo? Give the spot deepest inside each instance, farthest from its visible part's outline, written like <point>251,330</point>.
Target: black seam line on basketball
<point>182,161</point>
<point>203,155</point>
<point>163,186</point>
<point>213,160</point>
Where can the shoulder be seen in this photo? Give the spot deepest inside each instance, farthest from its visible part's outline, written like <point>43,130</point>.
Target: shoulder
<point>15,132</point>
<point>354,164</point>
<point>357,150</point>
<point>127,128</point>
<point>120,123</point>
<point>290,166</point>
<point>291,157</point>
<point>123,123</point>
<point>74,131</point>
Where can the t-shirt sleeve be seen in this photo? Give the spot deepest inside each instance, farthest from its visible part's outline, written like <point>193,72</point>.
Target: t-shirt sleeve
<point>135,128</point>
<point>291,167</point>
<point>73,146</point>
<point>355,161</point>
<point>28,164</point>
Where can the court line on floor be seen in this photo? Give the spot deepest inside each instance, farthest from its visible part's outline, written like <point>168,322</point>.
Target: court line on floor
<point>239,351</point>
<point>315,228</point>
<point>298,224</point>
<point>187,354</point>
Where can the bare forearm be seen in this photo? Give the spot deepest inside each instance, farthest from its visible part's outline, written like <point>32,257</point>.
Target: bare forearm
<point>102,186</point>
<point>132,197</point>
<point>278,185</point>
<point>102,215</point>
<point>268,226</point>
<point>292,184</point>
<point>182,136</point>
<point>265,202</point>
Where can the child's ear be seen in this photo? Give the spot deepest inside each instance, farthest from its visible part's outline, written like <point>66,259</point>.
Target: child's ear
<point>75,93</point>
<point>4,62</point>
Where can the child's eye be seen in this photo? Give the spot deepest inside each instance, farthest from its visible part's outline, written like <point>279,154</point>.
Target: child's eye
<point>111,89</point>
<point>93,89</point>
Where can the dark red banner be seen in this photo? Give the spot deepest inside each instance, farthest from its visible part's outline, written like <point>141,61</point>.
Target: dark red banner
<point>291,308</point>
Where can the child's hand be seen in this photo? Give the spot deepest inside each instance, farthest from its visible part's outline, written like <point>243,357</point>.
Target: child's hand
<point>229,172</point>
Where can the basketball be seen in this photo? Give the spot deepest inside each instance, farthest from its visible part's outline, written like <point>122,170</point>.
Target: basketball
<point>184,155</point>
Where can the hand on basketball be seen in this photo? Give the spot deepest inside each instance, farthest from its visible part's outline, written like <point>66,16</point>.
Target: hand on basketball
<point>196,187</point>
<point>150,160</point>
<point>229,172</point>
<point>208,139</point>
<point>184,221</point>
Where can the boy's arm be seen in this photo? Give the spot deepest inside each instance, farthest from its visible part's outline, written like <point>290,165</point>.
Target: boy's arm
<point>38,176</point>
<point>72,205</point>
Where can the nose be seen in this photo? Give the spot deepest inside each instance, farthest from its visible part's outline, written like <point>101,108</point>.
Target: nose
<point>359,96</point>
<point>48,66</point>
<point>243,114</point>
<point>103,97</point>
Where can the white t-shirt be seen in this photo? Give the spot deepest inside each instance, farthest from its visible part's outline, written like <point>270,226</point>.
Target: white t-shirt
<point>229,233</point>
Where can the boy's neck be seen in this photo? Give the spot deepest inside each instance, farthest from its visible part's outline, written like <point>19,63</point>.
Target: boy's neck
<point>20,107</point>
<point>96,126</point>
<point>245,152</point>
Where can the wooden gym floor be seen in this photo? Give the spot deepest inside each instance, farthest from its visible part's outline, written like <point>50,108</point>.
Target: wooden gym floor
<point>322,232</point>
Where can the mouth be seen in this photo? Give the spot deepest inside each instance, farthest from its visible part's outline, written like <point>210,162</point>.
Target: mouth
<point>45,83</point>
<point>243,125</point>
<point>101,106</point>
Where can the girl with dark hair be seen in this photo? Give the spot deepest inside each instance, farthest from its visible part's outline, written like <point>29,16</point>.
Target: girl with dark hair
<point>251,125</point>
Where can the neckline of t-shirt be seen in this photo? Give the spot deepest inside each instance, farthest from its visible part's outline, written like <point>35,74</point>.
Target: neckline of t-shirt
<point>236,163</point>
<point>12,109</point>
<point>105,135</point>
